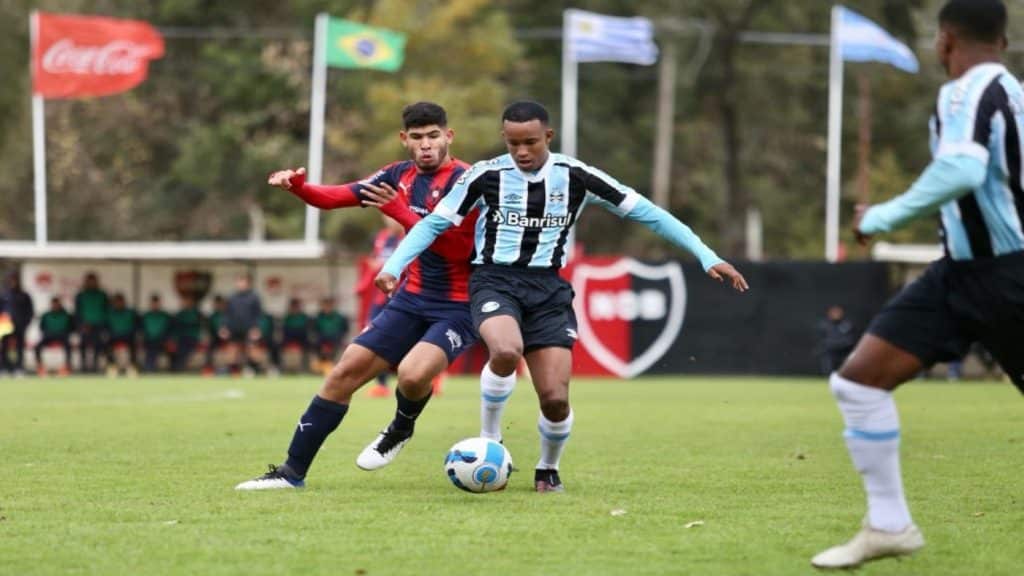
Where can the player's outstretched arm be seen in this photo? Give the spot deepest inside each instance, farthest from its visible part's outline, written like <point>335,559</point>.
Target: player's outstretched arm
<point>415,242</point>
<point>390,203</point>
<point>324,197</point>
<point>946,178</point>
<point>669,227</point>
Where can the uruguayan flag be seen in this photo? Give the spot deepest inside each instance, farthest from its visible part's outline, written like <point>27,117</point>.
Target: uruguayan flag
<point>861,40</point>
<point>598,38</point>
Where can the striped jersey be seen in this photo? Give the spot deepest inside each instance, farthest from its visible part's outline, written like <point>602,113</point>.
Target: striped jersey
<point>981,114</point>
<point>442,271</point>
<point>525,218</point>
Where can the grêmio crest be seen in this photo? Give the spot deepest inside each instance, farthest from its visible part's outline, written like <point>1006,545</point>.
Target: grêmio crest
<point>629,313</point>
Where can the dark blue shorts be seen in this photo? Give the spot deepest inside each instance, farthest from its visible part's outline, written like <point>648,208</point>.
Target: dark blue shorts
<point>408,319</point>
<point>539,300</point>
<point>953,304</point>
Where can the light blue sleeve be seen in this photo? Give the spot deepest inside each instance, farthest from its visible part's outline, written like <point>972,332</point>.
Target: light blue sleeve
<point>419,238</point>
<point>946,178</point>
<point>668,226</point>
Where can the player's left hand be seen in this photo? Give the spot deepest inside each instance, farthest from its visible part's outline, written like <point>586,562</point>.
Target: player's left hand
<point>378,195</point>
<point>724,271</point>
<point>386,283</point>
<point>858,215</point>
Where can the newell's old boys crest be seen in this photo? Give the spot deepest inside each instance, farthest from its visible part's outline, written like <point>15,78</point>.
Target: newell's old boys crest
<point>629,313</point>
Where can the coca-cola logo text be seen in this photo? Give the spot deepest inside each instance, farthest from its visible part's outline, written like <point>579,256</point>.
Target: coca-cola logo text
<point>115,58</point>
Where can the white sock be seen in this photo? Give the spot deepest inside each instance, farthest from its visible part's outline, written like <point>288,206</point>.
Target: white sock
<point>494,393</point>
<point>873,440</point>
<point>553,436</point>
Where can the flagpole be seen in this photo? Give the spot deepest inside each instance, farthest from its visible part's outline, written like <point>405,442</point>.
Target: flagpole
<point>314,168</point>
<point>570,79</point>
<point>38,139</point>
<point>570,85</point>
<point>835,132</point>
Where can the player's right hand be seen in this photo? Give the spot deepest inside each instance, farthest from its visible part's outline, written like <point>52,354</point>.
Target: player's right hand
<point>858,215</point>
<point>725,271</point>
<point>283,178</point>
<point>386,283</point>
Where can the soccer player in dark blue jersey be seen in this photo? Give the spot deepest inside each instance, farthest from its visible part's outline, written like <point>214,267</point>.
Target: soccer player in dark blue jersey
<point>530,199</point>
<point>974,293</point>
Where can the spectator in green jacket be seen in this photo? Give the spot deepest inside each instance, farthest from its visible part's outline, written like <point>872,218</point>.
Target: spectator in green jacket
<point>122,328</point>
<point>295,329</point>
<point>56,327</point>
<point>330,328</point>
<point>213,330</point>
<point>268,339</point>
<point>156,332</point>
<point>91,307</point>
<point>188,324</point>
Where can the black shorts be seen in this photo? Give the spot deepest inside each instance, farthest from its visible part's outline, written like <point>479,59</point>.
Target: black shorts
<point>955,303</point>
<point>539,300</point>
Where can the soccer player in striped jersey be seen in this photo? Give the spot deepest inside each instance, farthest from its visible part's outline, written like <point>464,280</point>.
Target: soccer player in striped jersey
<point>530,199</point>
<point>974,293</point>
<point>422,328</point>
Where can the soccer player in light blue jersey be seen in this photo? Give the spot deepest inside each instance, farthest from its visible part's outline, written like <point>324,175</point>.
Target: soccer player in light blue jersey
<point>529,200</point>
<point>974,293</point>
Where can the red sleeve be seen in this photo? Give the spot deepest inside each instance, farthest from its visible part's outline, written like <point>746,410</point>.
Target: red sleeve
<point>400,211</point>
<point>323,196</point>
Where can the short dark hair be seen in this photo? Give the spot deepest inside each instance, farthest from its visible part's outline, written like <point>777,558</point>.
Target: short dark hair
<point>524,111</point>
<point>423,114</point>
<point>978,20</point>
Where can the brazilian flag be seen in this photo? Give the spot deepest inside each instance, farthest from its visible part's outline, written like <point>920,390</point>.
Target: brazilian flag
<point>355,45</point>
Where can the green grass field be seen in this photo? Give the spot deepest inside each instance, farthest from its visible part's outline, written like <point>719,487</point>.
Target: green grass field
<point>136,477</point>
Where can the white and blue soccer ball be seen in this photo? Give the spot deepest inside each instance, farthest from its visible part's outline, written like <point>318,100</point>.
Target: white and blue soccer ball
<point>478,465</point>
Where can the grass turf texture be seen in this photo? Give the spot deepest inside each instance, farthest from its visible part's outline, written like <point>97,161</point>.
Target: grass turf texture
<point>136,477</point>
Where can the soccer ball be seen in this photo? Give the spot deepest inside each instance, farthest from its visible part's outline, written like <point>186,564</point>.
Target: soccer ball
<point>478,465</point>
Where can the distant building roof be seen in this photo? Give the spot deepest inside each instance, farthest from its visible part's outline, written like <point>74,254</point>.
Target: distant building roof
<point>167,251</point>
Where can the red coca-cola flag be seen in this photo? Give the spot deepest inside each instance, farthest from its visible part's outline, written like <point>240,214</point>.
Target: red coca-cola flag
<point>79,56</point>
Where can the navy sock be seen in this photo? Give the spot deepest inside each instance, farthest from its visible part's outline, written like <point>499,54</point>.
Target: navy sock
<point>320,419</point>
<point>407,412</point>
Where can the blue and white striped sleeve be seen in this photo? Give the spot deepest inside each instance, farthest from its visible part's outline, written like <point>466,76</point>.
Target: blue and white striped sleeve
<point>419,238</point>
<point>627,203</point>
<point>946,178</point>
<point>964,115</point>
<point>465,195</point>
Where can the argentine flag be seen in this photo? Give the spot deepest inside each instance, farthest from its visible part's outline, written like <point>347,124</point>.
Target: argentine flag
<point>592,37</point>
<point>861,40</point>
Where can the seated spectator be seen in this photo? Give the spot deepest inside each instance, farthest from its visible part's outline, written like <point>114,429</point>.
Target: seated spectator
<point>188,324</point>
<point>295,329</point>
<point>330,328</point>
<point>56,327</point>
<point>241,322</point>
<point>214,326</point>
<point>20,310</point>
<point>122,330</point>
<point>268,341</point>
<point>156,333</point>
<point>91,306</point>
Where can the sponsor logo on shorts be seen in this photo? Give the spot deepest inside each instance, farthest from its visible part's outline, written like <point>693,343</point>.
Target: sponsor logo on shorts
<point>489,307</point>
<point>454,339</point>
<point>572,334</point>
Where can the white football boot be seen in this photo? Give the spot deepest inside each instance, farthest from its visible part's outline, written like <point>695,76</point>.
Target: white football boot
<point>383,450</point>
<point>274,479</point>
<point>870,544</point>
